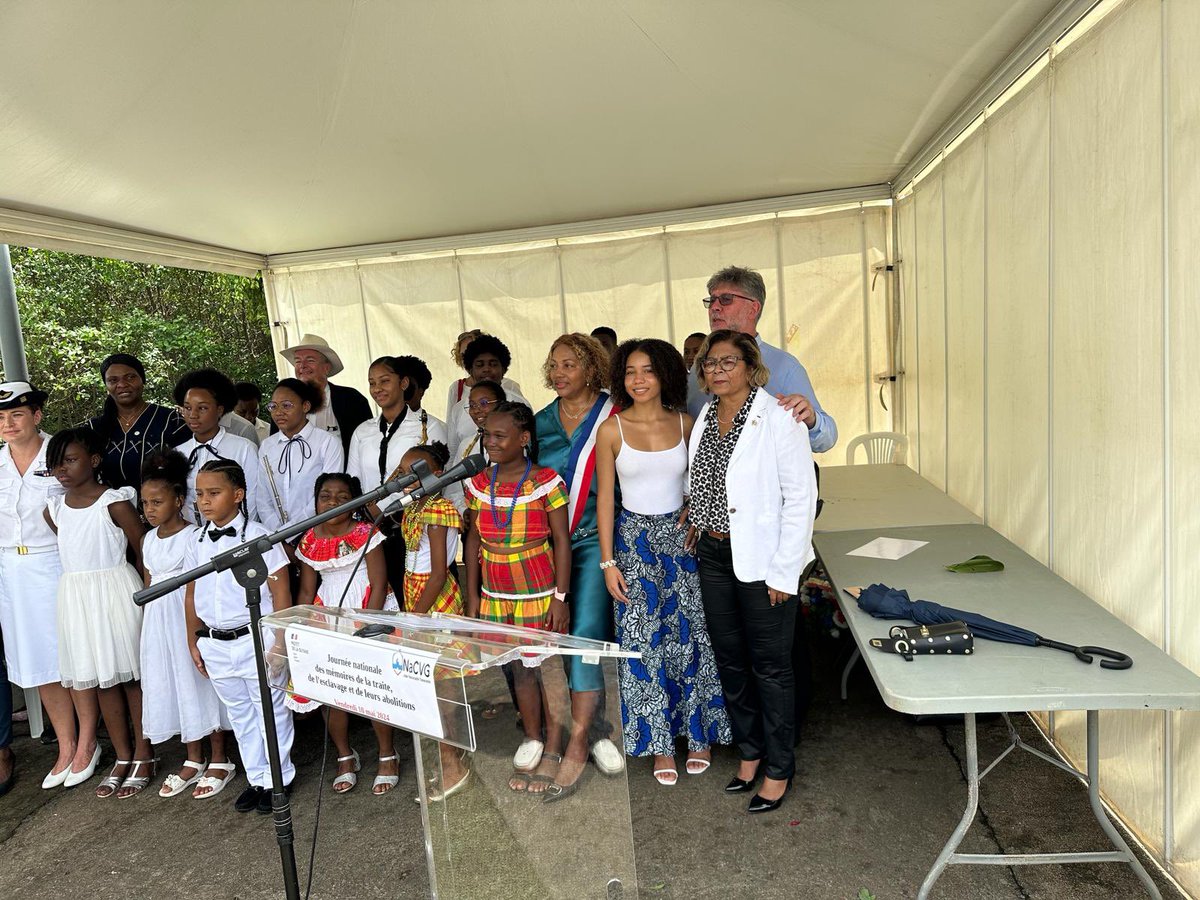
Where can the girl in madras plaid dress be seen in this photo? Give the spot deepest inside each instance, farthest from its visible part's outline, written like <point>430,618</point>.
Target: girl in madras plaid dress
<point>518,558</point>
<point>430,530</point>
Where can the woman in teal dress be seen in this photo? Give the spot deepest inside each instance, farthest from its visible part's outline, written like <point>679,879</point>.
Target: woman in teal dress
<point>577,371</point>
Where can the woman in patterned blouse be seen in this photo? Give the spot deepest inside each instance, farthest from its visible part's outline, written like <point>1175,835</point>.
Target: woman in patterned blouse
<point>132,427</point>
<point>753,501</point>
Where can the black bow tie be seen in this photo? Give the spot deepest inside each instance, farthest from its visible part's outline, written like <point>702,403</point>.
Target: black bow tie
<point>215,534</point>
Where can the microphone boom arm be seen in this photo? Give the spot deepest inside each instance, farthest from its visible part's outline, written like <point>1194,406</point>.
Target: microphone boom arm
<point>230,558</point>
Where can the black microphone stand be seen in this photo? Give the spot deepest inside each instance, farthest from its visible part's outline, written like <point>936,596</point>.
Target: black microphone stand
<point>250,571</point>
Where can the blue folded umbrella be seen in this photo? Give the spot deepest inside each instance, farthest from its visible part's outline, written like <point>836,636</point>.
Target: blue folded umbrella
<point>884,602</point>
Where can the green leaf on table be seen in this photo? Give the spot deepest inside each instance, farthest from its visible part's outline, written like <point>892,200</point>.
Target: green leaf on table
<point>977,564</point>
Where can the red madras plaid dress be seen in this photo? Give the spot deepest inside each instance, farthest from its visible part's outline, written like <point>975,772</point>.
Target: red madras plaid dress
<point>517,586</point>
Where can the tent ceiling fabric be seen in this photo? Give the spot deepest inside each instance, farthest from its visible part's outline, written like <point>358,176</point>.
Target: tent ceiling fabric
<point>277,126</point>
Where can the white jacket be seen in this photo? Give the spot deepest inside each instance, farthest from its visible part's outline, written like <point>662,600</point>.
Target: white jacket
<point>772,492</point>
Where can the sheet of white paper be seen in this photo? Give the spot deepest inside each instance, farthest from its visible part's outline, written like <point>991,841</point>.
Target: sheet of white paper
<point>887,548</point>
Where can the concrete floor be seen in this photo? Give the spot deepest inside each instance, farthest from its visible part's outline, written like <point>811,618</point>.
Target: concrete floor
<point>875,798</point>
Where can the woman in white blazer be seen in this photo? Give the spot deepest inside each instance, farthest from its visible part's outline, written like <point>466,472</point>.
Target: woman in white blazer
<point>753,501</point>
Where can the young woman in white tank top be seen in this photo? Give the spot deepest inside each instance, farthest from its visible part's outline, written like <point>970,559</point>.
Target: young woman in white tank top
<point>641,456</point>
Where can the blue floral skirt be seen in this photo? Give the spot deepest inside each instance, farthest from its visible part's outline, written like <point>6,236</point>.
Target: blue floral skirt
<point>673,691</point>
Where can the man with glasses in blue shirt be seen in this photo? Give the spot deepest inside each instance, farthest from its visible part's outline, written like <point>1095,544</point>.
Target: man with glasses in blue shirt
<point>735,300</point>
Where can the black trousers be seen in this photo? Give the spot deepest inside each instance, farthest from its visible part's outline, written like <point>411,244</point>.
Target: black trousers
<point>394,557</point>
<point>752,642</point>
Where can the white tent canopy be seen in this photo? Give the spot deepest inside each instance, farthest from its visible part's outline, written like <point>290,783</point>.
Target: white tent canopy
<point>399,170</point>
<point>273,127</point>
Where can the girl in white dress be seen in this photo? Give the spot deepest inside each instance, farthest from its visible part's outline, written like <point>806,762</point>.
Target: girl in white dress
<point>333,551</point>
<point>178,700</point>
<point>98,624</point>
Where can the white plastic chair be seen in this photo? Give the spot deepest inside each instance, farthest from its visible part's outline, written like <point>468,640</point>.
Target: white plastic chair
<point>880,447</point>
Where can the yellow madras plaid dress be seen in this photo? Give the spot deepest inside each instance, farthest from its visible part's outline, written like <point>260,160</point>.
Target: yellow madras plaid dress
<point>414,528</point>
<point>518,585</point>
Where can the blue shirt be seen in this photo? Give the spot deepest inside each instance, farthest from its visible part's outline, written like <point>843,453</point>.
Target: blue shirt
<point>788,376</point>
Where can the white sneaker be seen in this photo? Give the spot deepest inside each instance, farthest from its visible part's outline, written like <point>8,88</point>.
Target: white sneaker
<point>607,757</point>
<point>528,755</point>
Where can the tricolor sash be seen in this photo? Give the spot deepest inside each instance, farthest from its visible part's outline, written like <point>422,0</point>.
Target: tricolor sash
<point>581,464</point>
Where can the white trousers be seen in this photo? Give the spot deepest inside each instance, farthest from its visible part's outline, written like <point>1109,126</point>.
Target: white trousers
<point>231,668</point>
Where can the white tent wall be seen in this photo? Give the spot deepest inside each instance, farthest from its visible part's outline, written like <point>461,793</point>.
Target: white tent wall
<point>821,303</point>
<point>1181,26</point>
<point>1050,319</point>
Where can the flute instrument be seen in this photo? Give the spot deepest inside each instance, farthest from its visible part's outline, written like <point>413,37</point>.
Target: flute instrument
<point>283,516</point>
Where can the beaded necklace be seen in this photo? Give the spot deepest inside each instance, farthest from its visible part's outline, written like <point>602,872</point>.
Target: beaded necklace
<point>505,523</point>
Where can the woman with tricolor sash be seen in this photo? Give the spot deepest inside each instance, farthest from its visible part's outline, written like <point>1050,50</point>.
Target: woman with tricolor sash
<point>577,371</point>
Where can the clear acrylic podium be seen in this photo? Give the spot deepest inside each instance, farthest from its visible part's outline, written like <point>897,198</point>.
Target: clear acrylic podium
<point>443,679</point>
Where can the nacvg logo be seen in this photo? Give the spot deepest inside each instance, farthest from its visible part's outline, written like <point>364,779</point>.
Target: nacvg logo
<point>418,668</point>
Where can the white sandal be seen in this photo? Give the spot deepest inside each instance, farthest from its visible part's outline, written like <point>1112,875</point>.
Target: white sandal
<point>173,785</point>
<point>215,785</point>
<point>389,780</point>
<point>349,778</point>
<point>528,755</point>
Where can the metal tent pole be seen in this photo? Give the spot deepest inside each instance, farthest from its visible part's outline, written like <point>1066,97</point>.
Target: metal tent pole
<point>12,344</point>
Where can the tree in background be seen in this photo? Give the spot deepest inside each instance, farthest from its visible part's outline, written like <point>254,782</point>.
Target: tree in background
<point>76,310</point>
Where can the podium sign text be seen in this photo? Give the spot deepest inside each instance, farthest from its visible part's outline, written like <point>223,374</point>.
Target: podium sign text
<point>383,681</point>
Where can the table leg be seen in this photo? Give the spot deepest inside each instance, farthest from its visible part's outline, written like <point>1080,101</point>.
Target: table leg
<point>854,657</point>
<point>968,815</point>
<point>1093,783</point>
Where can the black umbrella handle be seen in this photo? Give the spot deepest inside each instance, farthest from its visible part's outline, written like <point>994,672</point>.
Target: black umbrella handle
<point>1113,659</point>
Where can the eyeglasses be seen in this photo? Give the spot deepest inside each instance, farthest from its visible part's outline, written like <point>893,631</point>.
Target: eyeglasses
<point>285,405</point>
<point>481,405</point>
<point>725,299</point>
<point>727,363</point>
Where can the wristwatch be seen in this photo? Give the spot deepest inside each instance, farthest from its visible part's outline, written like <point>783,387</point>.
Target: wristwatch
<point>560,596</point>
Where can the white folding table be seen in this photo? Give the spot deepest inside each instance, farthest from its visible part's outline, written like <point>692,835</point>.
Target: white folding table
<point>1005,678</point>
<point>882,495</point>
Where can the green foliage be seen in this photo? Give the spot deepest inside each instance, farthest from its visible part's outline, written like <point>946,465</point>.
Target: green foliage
<point>76,310</point>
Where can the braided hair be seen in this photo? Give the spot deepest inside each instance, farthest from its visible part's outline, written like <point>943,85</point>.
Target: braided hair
<point>350,481</point>
<point>438,453</point>
<point>522,417</point>
<point>237,477</point>
<point>89,440</point>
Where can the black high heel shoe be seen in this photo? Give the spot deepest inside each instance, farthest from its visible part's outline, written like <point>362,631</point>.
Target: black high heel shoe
<point>741,785</point>
<point>761,805</point>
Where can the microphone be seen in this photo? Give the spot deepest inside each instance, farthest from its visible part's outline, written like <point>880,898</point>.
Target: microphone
<point>420,471</point>
<point>466,468</point>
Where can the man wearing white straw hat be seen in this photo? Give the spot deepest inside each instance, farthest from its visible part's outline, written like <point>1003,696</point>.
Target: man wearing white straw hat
<point>344,408</point>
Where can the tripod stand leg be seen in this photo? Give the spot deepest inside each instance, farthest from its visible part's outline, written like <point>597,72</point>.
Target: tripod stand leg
<point>280,804</point>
